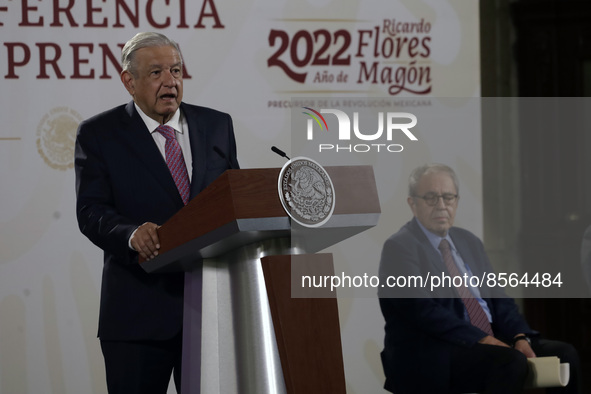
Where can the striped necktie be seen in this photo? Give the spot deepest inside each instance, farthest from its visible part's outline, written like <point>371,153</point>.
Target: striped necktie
<point>176,162</point>
<point>477,315</point>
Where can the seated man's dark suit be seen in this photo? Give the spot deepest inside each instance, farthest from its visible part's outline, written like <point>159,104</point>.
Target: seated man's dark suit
<point>424,332</point>
<point>122,181</point>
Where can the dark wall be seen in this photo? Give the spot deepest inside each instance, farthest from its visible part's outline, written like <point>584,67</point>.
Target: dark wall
<point>542,49</point>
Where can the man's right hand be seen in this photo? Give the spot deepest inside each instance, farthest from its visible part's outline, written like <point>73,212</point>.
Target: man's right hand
<point>488,340</point>
<point>145,240</point>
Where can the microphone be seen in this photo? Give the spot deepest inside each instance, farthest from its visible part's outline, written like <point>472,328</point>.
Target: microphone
<point>223,156</point>
<point>279,152</point>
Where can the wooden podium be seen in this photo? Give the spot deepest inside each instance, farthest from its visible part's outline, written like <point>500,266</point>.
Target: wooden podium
<point>243,330</point>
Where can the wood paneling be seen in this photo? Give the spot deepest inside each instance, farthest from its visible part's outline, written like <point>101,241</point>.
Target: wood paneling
<point>552,48</point>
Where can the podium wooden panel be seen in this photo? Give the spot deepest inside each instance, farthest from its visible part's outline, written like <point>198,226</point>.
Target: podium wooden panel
<point>234,241</point>
<point>307,330</point>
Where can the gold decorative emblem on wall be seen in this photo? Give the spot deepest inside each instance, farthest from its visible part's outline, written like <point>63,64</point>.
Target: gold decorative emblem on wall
<point>56,136</point>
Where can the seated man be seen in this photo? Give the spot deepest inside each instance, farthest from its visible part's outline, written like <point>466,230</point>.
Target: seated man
<point>460,339</point>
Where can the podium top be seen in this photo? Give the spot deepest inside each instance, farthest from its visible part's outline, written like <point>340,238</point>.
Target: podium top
<point>242,207</point>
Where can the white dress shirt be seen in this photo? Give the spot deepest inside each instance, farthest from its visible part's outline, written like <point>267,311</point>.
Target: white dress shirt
<point>181,128</point>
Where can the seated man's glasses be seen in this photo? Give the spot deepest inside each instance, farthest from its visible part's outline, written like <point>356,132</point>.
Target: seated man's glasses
<point>432,199</point>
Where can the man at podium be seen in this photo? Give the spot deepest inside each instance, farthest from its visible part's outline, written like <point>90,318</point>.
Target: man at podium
<point>457,338</point>
<point>136,165</point>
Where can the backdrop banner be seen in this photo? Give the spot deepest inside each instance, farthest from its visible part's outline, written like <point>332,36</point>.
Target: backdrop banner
<point>262,62</point>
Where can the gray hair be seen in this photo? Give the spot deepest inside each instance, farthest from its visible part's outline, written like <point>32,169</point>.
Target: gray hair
<point>143,40</point>
<point>426,169</point>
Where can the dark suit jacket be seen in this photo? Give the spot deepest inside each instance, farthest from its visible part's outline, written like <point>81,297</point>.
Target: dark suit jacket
<point>420,331</point>
<point>122,181</point>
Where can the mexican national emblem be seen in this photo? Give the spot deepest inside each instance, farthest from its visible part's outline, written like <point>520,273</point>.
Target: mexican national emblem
<point>56,135</point>
<point>306,192</point>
